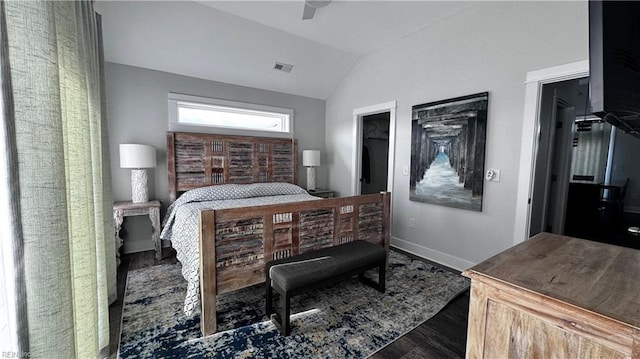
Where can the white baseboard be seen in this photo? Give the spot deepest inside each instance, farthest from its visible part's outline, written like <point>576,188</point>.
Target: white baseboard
<point>432,255</point>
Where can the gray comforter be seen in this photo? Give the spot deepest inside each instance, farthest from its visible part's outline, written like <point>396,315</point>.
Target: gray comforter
<point>180,224</point>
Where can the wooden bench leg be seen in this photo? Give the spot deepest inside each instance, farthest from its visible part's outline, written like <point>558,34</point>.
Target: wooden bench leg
<point>286,311</point>
<point>382,276</point>
<point>280,320</point>
<point>269,305</point>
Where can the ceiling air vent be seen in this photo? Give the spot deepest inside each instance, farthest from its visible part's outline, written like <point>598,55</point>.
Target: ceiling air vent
<point>282,67</point>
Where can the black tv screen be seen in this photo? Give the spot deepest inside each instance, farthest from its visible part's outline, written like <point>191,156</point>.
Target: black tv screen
<point>614,61</point>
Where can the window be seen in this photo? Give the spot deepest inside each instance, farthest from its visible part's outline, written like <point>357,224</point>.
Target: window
<point>202,111</point>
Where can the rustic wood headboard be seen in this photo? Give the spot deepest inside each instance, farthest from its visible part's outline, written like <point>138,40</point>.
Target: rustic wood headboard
<point>197,159</point>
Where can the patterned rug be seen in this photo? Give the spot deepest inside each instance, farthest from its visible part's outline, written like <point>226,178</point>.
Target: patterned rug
<point>345,320</point>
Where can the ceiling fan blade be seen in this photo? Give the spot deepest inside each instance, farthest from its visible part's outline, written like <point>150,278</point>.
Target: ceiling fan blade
<point>308,12</point>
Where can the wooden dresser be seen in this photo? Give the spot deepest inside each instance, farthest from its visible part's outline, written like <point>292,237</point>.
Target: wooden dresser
<point>556,297</point>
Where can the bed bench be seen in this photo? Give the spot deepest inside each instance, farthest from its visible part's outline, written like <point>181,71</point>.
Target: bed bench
<point>297,274</point>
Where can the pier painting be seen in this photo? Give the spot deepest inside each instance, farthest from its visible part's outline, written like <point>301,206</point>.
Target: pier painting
<point>447,152</point>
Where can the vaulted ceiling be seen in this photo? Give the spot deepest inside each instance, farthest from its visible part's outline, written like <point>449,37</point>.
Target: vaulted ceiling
<point>238,42</point>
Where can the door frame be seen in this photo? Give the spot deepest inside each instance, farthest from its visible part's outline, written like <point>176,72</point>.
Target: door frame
<point>531,131</point>
<point>356,159</point>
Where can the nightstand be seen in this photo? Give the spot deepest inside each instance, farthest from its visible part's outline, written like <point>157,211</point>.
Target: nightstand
<point>319,192</point>
<point>127,209</point>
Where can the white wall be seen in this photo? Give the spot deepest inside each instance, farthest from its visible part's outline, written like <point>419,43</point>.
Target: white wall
<point>137,112</point>
<point>489,47</point>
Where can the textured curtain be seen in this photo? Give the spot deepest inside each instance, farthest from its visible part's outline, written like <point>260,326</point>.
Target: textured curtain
<point>590,156</point>
<point>56,200</point>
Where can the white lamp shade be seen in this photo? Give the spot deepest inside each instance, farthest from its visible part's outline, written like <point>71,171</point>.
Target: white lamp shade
<point>311,158</point>
<point>137,156</point>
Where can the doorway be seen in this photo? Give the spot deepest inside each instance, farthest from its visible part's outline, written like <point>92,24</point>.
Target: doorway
<point>378,138</point>
<point>374,166</point>
<point>599,168</point>
<point>535,80</point>
<point>572,191</point>
<point>551,177</point>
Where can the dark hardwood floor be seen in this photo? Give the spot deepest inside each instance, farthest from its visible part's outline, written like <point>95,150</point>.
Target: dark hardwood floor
<point>442,336</point>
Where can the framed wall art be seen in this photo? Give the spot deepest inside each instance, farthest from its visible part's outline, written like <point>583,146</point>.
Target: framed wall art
<point>447,151</point>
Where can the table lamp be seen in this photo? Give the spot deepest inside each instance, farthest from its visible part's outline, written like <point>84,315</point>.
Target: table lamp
<point>138,157</point>
<point>311,160</point>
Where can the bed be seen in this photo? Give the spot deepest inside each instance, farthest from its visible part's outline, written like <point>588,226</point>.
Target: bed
<point>241,208</point>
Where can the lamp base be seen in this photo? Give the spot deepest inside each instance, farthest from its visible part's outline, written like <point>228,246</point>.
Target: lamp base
<point>311,178</point>
<point>139,190</point>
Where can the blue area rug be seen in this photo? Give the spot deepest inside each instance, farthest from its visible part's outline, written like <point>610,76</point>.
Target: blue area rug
<point>345,320</point>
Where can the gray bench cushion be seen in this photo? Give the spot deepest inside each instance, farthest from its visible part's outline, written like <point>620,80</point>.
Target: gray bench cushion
<point>311,267</point>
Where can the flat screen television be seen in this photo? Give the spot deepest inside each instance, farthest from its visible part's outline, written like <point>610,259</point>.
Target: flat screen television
<point>614,63</point>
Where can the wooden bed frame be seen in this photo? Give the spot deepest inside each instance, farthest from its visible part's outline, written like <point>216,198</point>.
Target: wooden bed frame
<point>197,159</point>
<point>236,243</point>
